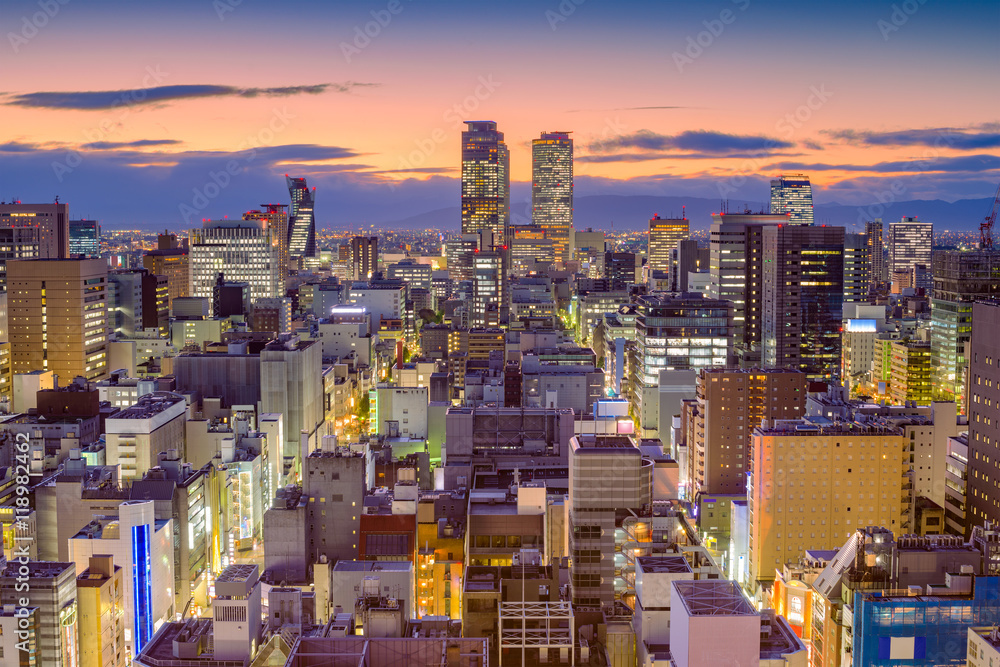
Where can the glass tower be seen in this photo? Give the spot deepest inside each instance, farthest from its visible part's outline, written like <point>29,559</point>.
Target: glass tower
<point>910,243</point>
<point>792,194</point>
<point>85,238</point>
<point>302,222</point>
<point>485,181</point>
<point>552,189</point>
<point>664,235</point>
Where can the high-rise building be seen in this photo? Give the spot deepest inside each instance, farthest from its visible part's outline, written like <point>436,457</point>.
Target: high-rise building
<point>552,189</point>
<point>242,251</point>
<point>876,254</point>
<point>664,235</point>
<point>489,288</point>
<point>459,251</point>
<point>960,278</point>
<point>803,298</point>
<point>791,194</point>
<point>531,248</point>
<point>731,402</point>
<point>736,266</point>
<point>857,268</point>
<point>485,181</point>
<point>276,218</point>
<point>33,231</point>
<point>852,462</point>
<point>85,238</point>
<point>57,317</point>
<point>51,587</point>
<point>364,258</point>
<point>302,220</point>
<point>910,243</point>
<point>981,502</point>
<point>291,384</point>
<point>170,259</point>
<point>619,269</point>
<point>607,475</point>
<point>910,372</point>
<point>100,594</point>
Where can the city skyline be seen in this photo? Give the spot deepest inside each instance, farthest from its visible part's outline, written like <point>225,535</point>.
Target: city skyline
<point>160,123</point>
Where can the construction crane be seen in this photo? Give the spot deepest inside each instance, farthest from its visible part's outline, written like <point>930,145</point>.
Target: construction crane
<point>986,226</point>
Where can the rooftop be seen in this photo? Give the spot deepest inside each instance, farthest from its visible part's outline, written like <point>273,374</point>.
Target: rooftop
<point>373,566</point>
<point>713,597</point>
<point>664,564</point>
<point>591,441</point>
<point>38,569</point>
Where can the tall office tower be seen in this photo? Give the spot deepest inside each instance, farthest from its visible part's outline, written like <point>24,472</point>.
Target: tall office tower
<point>791,194</point>
<point>459,251</point>
<point>302,220</point>
<point>291,384</point>
<point>910,243</point>
<point>876,253</point>
<point>857,267</point>
<point>676,332</point>
<point>684,259</point>
<point>242,251</point>
<point>664,235</point>
<point>51,587</point>
<point>170,259</point>
<point>960,278</point>
<point>489,288</point>
<point>736,265</point>
<point>485,181</point>
<point>803,298</point>
<point>531,249</point>
<point>730,403</point>
<point>364,258</point>
<point>619,269</point>
<point>852,462</point>
<point>57,317</point>
<point>607,476</point>
<point>33,231</point>
<point>100,594</point>
<point>552,189</point>
<point>85,238</point>
<point>984,415</point>
<point>144,547</point>
<point>137,300</point>
<point>276,218</point>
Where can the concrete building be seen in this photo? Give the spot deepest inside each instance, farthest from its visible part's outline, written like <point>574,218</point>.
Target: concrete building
<point>910,243</point>
<point>791,195</point>
<point>137,435</point>
<point>859,478</point>
<point>552,190</point>
<point>982,502</point>
<point>100,591</point>
<point>33,231</point>
<point>731,403</point>
<point>291,384</point>
<point>20,630</point>
<point>58,324</point>
<point>52,590</point>
<point>607,475</point>
<point>236,613</point>
<point>364,258</point>
<point>857,269</point>
<point>245,251</point>
<point>910,371</point>
<point>143,546</point>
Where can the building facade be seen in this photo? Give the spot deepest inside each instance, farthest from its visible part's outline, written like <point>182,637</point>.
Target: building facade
<point>552,189</point>
<point>791,195</point>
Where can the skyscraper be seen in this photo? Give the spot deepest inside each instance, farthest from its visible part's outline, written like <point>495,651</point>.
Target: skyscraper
<point>552,189</point>
<point>802,298</point>
<point>910,243</point>
<point>485,181</point>
<point>984,397</point>
<point>302,221</point>
<point>276,218</point>
<point>664,235</point>
<point>791,194</point>
<point>242,250</point>
<point>364,257</point>
<point>33,231</point>
<point>58,313</point>
<point>857,267</point>
<point>85,238</point>
<point>874,233</point>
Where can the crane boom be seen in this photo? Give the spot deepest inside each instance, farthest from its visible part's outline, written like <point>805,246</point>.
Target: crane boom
<point>986,226</point>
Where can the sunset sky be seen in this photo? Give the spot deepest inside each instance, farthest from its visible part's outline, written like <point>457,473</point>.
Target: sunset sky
<point>128,109</point>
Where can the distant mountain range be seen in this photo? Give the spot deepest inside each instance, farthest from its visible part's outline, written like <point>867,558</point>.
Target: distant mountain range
<point>633,212</point>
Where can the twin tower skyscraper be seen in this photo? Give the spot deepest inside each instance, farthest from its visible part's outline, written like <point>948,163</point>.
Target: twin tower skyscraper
<point>486,186</point>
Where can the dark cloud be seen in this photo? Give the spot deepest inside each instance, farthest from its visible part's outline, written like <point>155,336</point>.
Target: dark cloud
<point>964,163</point>
<point>646,157</point>
<point>117,145</point>
<point>976,137</point>
<point>418,170</point>
<point>701,141</point>
<point>109,99</point>
<point>18,147</point>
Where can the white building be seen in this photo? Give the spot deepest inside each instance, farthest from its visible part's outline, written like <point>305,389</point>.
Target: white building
<point>244,251</point>
<point>399,411</point>
<point>143,547</point>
